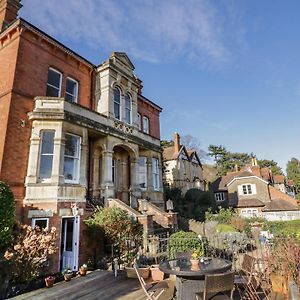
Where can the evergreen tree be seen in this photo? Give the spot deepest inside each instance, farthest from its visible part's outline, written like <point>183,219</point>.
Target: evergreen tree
<point>293,172</point>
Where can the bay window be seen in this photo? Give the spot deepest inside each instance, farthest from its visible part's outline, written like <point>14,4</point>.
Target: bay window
<point>46,154</point>
<point>71,158</point>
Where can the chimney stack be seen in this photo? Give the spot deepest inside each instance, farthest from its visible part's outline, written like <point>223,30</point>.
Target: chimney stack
<point>176,142</point>
<point>8,12</point>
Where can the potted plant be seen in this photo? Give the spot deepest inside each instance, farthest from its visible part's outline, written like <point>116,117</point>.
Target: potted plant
<point>68,274</point>
<point>49,280</point>
<point>144,270</point>
<point>196,255</point>
<point>83,270</point>
<point>156,273</point>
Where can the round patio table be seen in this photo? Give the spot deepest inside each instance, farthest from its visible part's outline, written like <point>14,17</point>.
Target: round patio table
<point>190,281</point>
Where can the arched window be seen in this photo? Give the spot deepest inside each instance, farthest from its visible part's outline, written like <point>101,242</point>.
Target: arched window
<point>117,103</point>
<point>127,109</point>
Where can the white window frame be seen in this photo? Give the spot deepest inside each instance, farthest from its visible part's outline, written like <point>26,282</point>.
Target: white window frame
<point>249,212</point>
<point>77,171</point>
<point>143,171</point>
<point>118,103</point>
<point>247,189</point>
<point>76,91</point>
<point>60,82</point>
<point>146,123</point>
<point>139,117</point>
<point>128,109</point>
<point>33,222</point>
<point>45,179</point>
<point>220,197</point>
<point>155,173</point>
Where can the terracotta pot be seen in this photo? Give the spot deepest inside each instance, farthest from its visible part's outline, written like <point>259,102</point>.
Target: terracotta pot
<point>68,277</point>
<point>130,272</point>
<point>279,284</point>
<point>82,271</point>
<point>156,273</point>
<point>49,282</point>
<point>195,264</point>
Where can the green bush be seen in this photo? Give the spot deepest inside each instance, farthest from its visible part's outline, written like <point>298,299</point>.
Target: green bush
<point>284,228</point>
<point>7,216</point>
<point>223,216</point>
<point>222,228</point>
<point>183,241</point>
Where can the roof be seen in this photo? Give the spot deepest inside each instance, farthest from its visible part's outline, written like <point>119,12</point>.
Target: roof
<point>250,202</point>
<point>221,182</point>
<point>169,153</point>
<point>279,205</point>
<point>278,178</point>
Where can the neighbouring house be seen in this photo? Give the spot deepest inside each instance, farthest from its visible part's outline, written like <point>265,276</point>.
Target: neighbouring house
<point>182,167</point>
<point>251,192</point>
<point>72,134</point>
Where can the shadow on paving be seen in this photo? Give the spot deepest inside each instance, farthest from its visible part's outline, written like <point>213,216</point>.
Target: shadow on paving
<point>99,284</point>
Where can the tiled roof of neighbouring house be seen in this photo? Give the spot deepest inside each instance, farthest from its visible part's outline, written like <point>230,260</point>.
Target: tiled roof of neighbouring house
<point>252,202</point>
<point>279,205</point>
<point>278,178</point>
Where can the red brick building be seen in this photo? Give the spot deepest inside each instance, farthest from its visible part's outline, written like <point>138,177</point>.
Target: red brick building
<point>71,132</point>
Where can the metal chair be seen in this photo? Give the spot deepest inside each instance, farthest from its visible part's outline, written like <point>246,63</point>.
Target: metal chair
<point>248,270</point>
<point>215,284</point>
<point>152,290</point>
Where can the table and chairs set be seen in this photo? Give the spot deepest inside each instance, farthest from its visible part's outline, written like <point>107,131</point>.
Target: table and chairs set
<point>212,279</point>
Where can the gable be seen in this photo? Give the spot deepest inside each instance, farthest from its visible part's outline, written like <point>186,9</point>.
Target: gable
<point>245,178</point>
<point>121,57</point>
<point>183,154</point>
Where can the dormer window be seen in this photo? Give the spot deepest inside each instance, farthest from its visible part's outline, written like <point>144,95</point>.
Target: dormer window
<point>127,109</point>
<point>117,103</point>
<point>247,189</point>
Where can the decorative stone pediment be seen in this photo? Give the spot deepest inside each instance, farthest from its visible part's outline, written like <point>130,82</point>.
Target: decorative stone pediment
<point>121,60</point>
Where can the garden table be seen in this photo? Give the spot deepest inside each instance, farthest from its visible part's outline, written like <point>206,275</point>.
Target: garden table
<point>190,281</point>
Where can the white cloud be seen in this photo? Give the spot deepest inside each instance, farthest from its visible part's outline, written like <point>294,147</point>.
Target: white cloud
<point>149,30</point>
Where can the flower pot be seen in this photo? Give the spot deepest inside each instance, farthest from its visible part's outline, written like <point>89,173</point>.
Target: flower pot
<point>82,271</point>
<point>156,273</point>
<point>194,264</point>
<point>279,284</point>
<point>130,272</point>
<point>68,276</point>
<point>49,281</point>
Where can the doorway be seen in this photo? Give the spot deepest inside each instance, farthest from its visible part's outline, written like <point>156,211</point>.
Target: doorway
<point>70,243</point>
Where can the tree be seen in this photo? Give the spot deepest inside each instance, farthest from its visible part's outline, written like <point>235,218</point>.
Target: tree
<point>273,165</point>
<point>217,152</point>
<point>192,143</point>
<point>293,173</point>
<point>7,215</point>
<point>165,143</point>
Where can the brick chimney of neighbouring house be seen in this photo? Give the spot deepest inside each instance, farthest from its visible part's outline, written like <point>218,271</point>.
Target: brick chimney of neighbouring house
<point>8,12</point>
<point>176,142</point>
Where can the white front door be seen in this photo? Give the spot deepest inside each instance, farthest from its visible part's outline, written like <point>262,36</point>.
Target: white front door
<point>70,243</point>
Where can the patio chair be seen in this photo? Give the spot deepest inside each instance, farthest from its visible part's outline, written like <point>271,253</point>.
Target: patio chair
<point>152,290</point>
<point>215,284</point>
<point>247,271</point>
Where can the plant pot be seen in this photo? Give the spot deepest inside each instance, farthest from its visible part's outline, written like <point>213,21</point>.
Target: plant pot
<point>156,273</point>
<point>279,284</point>
<point>82,271</point>
<point>68,277</point>
<point>130,272</point>
<point>49,282</point>
<point>195,264</point>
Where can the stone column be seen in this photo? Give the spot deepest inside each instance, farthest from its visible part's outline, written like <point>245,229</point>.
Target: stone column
<point>96,171</point>
<point>135,191</point>
<point>58,157</point>
<point>33,159</point>
<point>107,182</point>
<point>149,174</point>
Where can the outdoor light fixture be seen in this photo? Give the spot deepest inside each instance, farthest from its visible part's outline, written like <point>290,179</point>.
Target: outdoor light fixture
<point>170,205</point>
<point>144,206</point>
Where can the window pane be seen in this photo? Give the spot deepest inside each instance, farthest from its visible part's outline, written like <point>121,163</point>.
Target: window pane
<point>41,223</point>
<point>71,147</point>
<point>46,166</point>
<point>69,168</point>
<point>54,78</point>
<point>127,102</point>
<point>47,142</point>
<point>117,95</point>
<point>143,172</point>
<point>117,110</point>
<point>69,237</point>
<point>52,91</point>
<point>71,90</point>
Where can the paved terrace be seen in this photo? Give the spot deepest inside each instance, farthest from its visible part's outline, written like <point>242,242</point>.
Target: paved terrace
<point>101,285</point>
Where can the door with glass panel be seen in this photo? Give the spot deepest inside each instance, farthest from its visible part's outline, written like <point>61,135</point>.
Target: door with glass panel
<point>69,243</point>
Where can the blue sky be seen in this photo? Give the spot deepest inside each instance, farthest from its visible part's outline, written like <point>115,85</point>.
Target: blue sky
<point>226,72</point>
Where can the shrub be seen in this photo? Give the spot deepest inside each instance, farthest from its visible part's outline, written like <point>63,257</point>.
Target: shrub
<point>225,228</point>
<point>182,241</point>
<point>117,226</point>
<point>30,252</point>
<point>223,216</point>
<point>7,216</point>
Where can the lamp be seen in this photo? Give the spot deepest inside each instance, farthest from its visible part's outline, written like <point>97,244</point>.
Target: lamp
<point>144,206</point>
<point>170,205</point>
